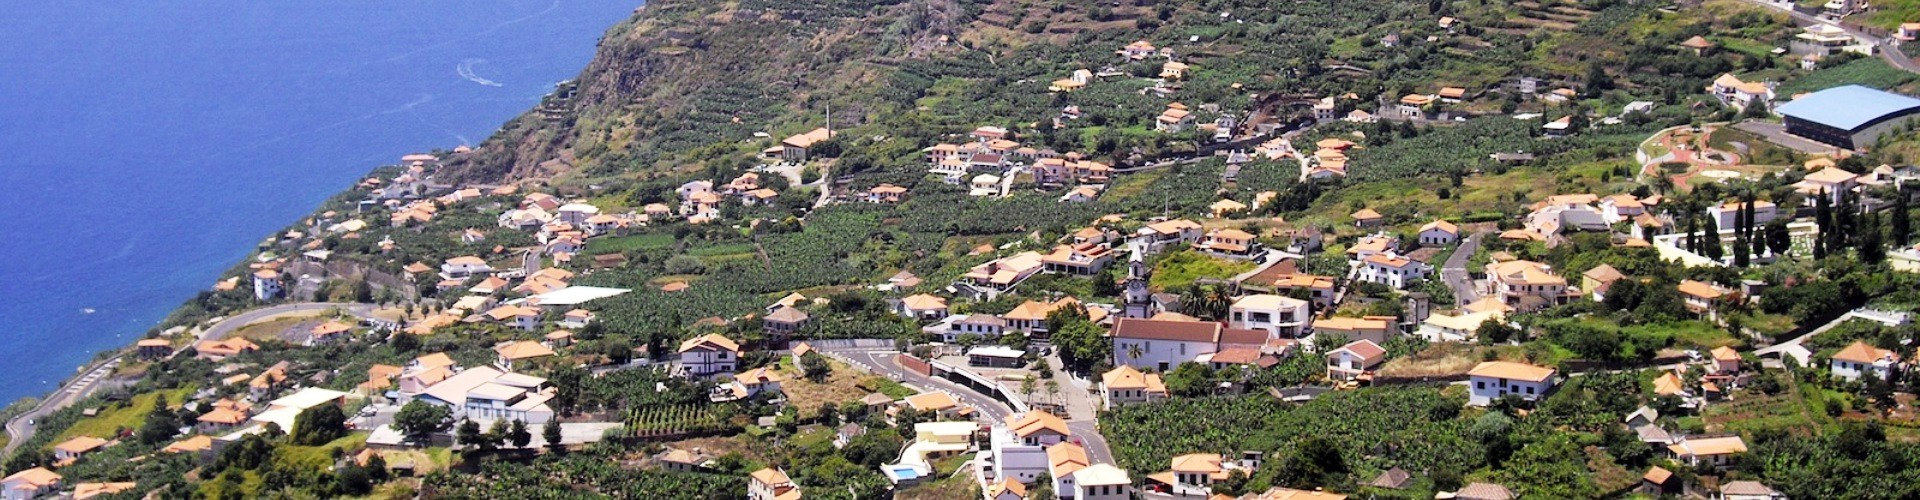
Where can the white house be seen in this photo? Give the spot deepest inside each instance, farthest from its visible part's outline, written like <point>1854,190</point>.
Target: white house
<point>1496,379</point>
<point>1125,385</point>
<point>708,355</point>
<point>1102,482</point>
<point>1715,451</point>
<point>266,284</point>
<point>1439,233</point>
<point>1392,270</point>
<point>1277,315</point>
<point>464,266</point>
<point>1860,359</point>
<point>485,394</point>
<point>1020,445</point>
<point>1354,359</point>
<point>1162,344</point>
<point>30,483</point>
<point>1723,214</point>
<point>771,484</point>
<point>1526,285</point>
<point>1449,328</point>
<point>921,307</point>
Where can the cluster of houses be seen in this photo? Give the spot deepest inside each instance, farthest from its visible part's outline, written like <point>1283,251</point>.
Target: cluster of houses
<point>992,158</point>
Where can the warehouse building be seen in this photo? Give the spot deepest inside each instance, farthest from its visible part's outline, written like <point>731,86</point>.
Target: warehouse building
<point>1848,117</point>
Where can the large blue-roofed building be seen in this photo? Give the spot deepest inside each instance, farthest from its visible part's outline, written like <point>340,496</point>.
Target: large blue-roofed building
<point>1849,117</point>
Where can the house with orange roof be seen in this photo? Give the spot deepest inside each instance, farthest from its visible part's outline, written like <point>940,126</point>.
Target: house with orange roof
<point>464,266</point>
<point>154,348</point>
<point>922,307</point>
<point>30,483</point>
<point>1739,93</point>
<point>1159,235</point>
<point>784,322</point>
<point>749,384</point>
<point>1833,182</point>
<point>1228,243</point>
<point>708,355</point>
<point>796,147</point>
<point>935,402</point>
<point>221,419</point>
<point>1439,233</point>
<point>515,316</point>
<point>1715,451</point>
<point>1861,359</point>
<point>1126,385</point>
<point>69,451</point>
<point>199,443</point>
<point>1194,474</point>
<point>1319,289</point>
<point>1413,105</point>
<point>1007,489</point>
<point>1140,49</point>
<point>1702,299</point>
<point>1726,361</point>
<point>267,284</point>
<point>1081,259</point>
<point>217,350</point>
<point>771,484</point>
<point>329,331</point>
<point>1366,218</point>
<point>1004,273</point>
<point>1526,285</point>
<point>1378,329</point>
<point>1392,270</point>
<point>1063,461</point>
<point>1020,444</point>
<point>1493,380</point>
<point>509,353</point>
<point>1174,119</point>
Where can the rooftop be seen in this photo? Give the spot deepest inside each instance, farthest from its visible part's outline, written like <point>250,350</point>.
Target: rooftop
<point>1848,107</point>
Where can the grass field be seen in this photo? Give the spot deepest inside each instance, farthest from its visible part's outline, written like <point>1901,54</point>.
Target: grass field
<point>110,421</point>
<point>647,241</point>
<point>1871,72</point>
<point>1180,269</point>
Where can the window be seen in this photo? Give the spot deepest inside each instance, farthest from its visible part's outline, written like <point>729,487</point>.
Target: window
<point>1479,385</point>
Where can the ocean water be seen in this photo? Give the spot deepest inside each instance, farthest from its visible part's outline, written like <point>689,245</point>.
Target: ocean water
<point>146,145</point>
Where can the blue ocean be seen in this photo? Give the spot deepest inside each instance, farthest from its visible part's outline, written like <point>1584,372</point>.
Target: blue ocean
<point>147,145</point>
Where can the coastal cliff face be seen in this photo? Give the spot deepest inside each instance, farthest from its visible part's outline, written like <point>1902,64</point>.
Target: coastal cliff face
<point>684,79</point>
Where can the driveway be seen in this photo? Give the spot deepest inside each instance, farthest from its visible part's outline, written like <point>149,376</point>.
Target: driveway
<point>1777,133</point>
<point>880,361</point>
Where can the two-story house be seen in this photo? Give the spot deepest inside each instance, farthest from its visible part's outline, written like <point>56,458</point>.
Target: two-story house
<point>1526,285</point>
<point>1860,359</point>
<point>708,355</point>
<point>1439,233</point>
<point>1125,385</point>
<point>1493,380</point>
<point>1392,270</point>
<point>1277,315</point>
<point>1020,444</point>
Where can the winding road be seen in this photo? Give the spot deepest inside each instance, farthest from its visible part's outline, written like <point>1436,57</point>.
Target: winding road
<point>1885,49</point>
<point>21,428</point>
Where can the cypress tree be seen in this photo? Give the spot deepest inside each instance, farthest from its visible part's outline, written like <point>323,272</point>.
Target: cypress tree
<point>1740,249</point>
<point>1823,218</point>
<point>1873,249</point>
<point>1902,231</point>
<point>1710,240</point>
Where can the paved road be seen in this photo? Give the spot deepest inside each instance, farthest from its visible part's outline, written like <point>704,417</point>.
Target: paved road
<point>1887,50</point>
<point>22,427</point>
<point>1454,270</point>
<point>881,361</point>
<point>227,326</point>
<point>1777,348</point>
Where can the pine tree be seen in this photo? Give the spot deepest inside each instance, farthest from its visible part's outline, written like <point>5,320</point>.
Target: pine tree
<point>551,433</point>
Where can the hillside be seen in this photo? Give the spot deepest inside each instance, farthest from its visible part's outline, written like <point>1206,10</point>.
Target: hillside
<point>685,85</point>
